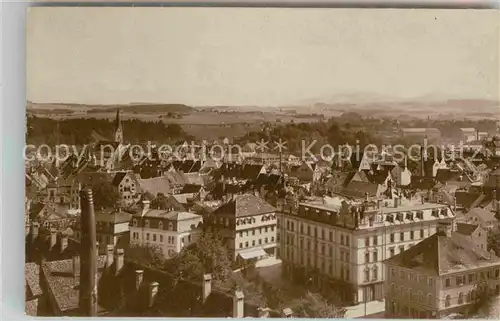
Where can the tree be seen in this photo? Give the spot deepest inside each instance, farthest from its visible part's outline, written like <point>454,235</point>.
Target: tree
<point>494,241</point>
<point>313,305</point>
<point>149,255</point>
<point>105,195</point>
<point>206,255</point>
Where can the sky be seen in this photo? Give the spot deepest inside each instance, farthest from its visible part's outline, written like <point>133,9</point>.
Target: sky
<point>258,56</point>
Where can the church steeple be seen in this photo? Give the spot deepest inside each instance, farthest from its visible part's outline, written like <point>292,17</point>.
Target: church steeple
<point>118,128</point>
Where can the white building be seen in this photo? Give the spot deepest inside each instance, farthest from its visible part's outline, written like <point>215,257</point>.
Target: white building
<point>167,229</point>
<point>332,243</point>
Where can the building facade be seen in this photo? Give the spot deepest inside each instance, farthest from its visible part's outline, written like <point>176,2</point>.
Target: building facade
<point>169,230</point>
<point>445,274</point>
<point>247,224</point>
<point>335,243</point>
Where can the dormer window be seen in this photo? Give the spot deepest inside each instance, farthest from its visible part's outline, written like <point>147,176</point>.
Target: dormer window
<point>170,226</point>
<point>409,216</point>
<point>390,218</point>
<point>420,215</point>
<point>134,222</point>
<point>160,225</point>
<point>435,213</point>
<point>146,223</point>
<point>444,212</point>
<point>400,217</point>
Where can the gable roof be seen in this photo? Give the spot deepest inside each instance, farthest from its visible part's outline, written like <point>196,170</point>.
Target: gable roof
<point>191,188</point>
<point>245,205</point>
<point>440,255</point>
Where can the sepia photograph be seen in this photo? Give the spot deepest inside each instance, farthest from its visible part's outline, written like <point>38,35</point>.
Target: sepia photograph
<point>262,162</point>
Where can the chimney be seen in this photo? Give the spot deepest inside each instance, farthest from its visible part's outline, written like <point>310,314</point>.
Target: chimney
<point>53,237</point>
<point>238,304</point>
<point>422,161</point>
<point>145,207</point>
<point>109,255</point>
<point>366,196</point>
<point>444,228</point>
<point>153,291</point>
<point>76,270</point>
<point>88,256</point>
<point>64,242</point>
<point>422,199</point>
<point>207,286</point>
<point>396,201</point>
<point>139,275</point>
<point>34,231</point>
<point>119,260</point>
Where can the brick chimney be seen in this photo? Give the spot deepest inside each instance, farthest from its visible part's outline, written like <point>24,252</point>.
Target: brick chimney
<point>444,228</point>
<point>35,228</point>
<point>76,270</point>
<point>109,255</point>
<point>207,286</point>
<point>139,275</point>
<point>119,260</point>
<point>63,242</point>
<point>153,291</point>
<point>238,304</point>
<point>53,237</point>
<point>145,207</point>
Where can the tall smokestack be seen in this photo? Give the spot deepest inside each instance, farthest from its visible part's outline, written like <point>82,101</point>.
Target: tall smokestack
<point>422,161</point>
<point>88,256</point>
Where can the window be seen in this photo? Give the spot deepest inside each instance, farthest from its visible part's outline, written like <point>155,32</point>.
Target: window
<point>447,282</point>
<point>246,244</point>
<point>429,298</point>
<point>147,236</point>
<point>375,256</point>
<point>331,236</point>
<point>402,236</point>
<point>392,237</point>
<point>497,273</point>
<point>253,243</point>
<point>375,273</point>
<point>421,234</point>
<point>460,298</point>
<point>154,237</point>
<point>412,235</point>
<point>367,257</point>
<point>347,240</point>
<point>241,245</point>
<point>266,240</point>
<point>393,272</point>
<point>459,280</point>
<point>161,238</point>
<point>367,275</point>
<point>471,278</point>
<point>391,252</point>
<point>367,241</point>
<point>402,274</point>
<point>447,301</point>
<point>375,240</point>
<point>401,248</point>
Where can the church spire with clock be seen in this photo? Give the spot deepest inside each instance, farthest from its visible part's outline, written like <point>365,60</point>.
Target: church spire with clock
<point>118,128</point>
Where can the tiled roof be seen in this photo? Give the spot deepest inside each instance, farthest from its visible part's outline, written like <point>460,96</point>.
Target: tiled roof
<point>440,255</point>
<point>118,178</point>
<point>359,189</point>
<point>194,178</point>
<point>60,280</point>
<point>245,205</point>
<point>92,178</point>
<point>466,229</point>
<point>32,273</point>
<point>112,216</point>
<point>482,214</point>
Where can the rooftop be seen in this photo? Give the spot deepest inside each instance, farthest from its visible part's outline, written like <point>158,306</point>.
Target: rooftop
<point>440,255</point>
<point>245,205</point>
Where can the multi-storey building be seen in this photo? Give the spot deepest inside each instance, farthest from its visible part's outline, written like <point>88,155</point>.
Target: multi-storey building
<point>341,244</point>
<point>112,228</point>
<point>247,224</point>
<point>444,274</point>
<point>128,187</point>
<point>169,230</point>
